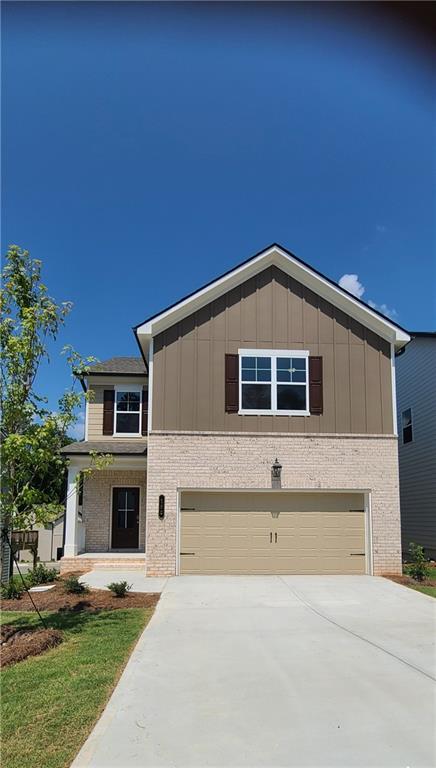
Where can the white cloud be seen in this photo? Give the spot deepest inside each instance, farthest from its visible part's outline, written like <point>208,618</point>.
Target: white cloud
<point>77,431</point>
<point>351,284</point>
<point>384,309</point>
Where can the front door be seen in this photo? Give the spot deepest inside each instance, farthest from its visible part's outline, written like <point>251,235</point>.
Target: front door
<point>125,518</point>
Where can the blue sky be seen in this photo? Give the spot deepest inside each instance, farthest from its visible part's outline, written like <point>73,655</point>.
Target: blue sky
<point>148,148</point>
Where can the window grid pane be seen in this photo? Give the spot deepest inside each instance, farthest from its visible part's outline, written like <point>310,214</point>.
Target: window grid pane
<point>291,397</point>
<point>407,434</point>
<point>128,401</point>
<point>256,369</point>
<point>127,422</point>
<point>291,369</point>
<point>126,510</point>
<point>256,397</point>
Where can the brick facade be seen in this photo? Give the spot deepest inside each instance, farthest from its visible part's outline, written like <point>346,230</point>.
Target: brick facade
<point>97,506</point>
<point>223,460</point>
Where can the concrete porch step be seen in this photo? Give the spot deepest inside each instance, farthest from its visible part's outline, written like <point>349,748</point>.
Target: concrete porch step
<point>112,561</point>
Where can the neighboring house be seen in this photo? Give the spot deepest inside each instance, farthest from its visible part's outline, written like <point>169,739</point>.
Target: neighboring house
<point>50,538</point>
<point>416,395</point>
<point>270,361</point>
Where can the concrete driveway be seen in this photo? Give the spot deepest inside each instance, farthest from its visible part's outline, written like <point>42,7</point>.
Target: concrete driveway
<point>276,671</point>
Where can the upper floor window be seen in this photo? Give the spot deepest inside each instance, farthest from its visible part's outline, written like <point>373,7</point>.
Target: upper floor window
<point>406,425</point>
<point>127,410</point>
<point>274,382</point>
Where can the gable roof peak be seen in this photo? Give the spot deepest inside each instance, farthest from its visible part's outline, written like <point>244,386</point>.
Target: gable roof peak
<point>290,264</point>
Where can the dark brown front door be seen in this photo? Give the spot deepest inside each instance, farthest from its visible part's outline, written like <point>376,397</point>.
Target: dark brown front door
<point>125,518</point>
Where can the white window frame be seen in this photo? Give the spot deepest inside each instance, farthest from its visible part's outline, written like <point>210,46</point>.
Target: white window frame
<point>273,354</point>
<point>128,388</point>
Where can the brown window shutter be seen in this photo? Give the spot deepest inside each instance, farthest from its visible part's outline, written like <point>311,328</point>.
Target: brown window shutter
<point>144,423</point>
<point>108,411</point>
<point>232,383</point>
<point>315,385</point>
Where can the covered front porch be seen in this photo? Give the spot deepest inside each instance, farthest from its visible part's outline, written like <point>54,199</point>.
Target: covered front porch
<point>105,511</point>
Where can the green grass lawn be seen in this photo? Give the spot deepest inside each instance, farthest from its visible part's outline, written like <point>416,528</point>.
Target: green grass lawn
<point>427,590</point>
<point>50,703</point>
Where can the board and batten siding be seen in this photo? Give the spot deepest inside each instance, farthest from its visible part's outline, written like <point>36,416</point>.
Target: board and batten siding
<point>273,311</point>
<point>416,389</point>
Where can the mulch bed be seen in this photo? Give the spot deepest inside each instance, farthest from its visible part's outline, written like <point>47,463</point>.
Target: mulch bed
<point>96,600</point>
<point>409,582</point>
<point>17,643</point>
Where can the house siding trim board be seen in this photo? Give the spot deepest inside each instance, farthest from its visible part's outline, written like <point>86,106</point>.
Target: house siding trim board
<point>210,462</point>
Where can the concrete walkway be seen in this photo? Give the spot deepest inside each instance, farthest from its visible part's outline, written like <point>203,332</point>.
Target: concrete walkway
<point>99,579</point>
<point>276,671</point>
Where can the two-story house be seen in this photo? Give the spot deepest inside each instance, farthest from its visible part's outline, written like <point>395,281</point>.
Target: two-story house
<point>416,393</point>
<point>255,434</point>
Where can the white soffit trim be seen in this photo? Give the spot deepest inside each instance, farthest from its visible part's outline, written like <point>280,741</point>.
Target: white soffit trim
<point>294,268</point>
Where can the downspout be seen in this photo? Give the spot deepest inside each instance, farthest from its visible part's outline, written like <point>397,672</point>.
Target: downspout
<point>63,537</point>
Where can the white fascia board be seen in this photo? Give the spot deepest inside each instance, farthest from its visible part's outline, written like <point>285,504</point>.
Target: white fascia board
<point>205,295</point>
<point>108,379</point>
<point>294,268</point>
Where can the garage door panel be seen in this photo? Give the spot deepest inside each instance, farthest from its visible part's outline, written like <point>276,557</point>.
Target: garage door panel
<point>318,541</point>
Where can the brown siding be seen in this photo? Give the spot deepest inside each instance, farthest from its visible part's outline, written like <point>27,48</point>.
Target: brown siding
<point>274,311</point>
<point>95,413</point>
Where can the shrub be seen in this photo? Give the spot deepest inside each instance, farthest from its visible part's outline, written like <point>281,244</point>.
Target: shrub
<point>73,586</point>
<point>119,588</point>
<point>42,575</point>
<point>12,589</point>
<point>418,568</point>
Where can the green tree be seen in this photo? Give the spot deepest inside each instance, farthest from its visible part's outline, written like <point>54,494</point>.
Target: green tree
<point>32,469</point>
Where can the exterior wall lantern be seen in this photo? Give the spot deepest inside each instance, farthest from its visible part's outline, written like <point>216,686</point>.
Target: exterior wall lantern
<point>276,475</point>
<point>161,506</point>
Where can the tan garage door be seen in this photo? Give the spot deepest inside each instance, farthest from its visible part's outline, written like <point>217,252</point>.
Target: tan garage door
<point>292,533</point>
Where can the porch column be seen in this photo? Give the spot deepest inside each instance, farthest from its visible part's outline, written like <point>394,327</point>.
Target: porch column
<point>71,547</point>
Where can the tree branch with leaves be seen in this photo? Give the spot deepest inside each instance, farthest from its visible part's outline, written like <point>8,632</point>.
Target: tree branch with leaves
<point>33,471</point>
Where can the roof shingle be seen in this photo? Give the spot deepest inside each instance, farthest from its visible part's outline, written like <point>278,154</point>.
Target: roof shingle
<point>117,447</point>
<point>130,366</point>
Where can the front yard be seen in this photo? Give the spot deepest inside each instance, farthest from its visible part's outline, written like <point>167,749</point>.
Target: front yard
<point>50,703</point>
<point>428,586</point>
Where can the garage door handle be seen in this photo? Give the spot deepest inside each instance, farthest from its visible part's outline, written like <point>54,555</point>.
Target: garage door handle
<point>357,554</point>
<point>275,537</point>
<point>187,553</point>
<point>270,538</point>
